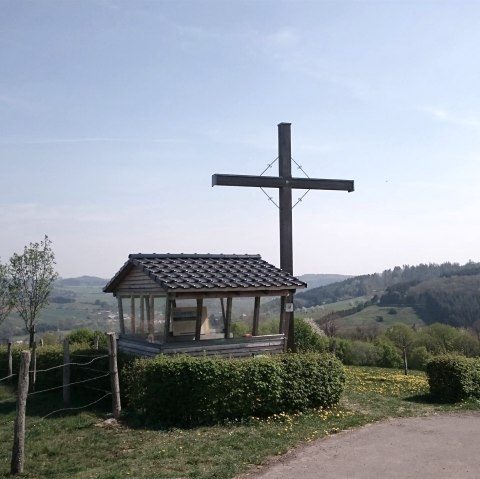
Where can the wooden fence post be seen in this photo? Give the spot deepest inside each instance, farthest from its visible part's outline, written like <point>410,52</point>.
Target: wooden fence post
<point>115,383</point>
<point>10,359</point>
<point>66,372</point>
<point>18,450</point>
<point>33,371</point>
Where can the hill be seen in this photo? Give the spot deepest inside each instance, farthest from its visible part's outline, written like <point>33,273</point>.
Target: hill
<point>317,280</point>
<point>447,293</point>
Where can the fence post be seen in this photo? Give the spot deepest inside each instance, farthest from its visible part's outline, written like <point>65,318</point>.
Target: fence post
<point>66,372</point>
<point>115,383</point>
<point>10,360</point>
<point>33,379</point>
<point>18,450</point>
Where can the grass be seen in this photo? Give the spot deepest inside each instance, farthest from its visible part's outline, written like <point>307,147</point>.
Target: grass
<point>83,446</point>
<point>370,316</point>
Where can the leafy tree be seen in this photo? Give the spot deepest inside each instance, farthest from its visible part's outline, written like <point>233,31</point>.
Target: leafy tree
<point>6,297</point>
<point>402,336</point>
<point>33,274</point>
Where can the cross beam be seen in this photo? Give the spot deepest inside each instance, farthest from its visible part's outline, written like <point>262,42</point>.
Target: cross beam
<point>285,183</point>
<point>276,182</point>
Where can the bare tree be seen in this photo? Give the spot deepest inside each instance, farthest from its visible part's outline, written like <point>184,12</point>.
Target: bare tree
<point>33,274</point>
<point>402,336</point>
<point>6,297</point>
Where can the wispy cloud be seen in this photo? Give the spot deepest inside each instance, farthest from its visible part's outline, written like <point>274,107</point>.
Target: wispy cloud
<point>53,141</point>
<point>445,116</point>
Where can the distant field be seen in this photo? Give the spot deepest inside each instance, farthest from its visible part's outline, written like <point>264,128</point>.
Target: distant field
<point>379,316</point>
<point>318,312</point>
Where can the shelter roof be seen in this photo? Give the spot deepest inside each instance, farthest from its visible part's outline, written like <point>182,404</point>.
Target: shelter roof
<point>207,272</point>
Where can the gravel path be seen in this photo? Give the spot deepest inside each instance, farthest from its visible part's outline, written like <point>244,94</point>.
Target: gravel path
<point>436,447</point>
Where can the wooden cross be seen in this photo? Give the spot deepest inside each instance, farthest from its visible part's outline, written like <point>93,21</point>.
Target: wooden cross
<point>285,183</point>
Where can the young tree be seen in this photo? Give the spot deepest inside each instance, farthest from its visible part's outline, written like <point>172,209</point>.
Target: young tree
<point>402,336</point>
<point>6,297</point>
<point>33,274</point>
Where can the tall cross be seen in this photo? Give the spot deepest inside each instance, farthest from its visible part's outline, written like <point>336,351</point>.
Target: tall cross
<point>285,183</point>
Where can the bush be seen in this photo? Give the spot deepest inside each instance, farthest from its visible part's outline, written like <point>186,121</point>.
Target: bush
<point>419,358</point>
<point>387,354</point>
<point>87,337</point>
<point>360,353</point>
<point>307,340</point>
<point>50,356</point>
<point>453,378</point>
<point>182,390</point>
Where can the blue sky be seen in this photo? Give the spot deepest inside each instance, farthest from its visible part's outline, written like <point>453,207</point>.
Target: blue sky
<point>115,114</point>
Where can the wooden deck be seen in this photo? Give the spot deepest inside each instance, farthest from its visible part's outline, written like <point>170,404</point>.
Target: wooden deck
<point>238,347</point>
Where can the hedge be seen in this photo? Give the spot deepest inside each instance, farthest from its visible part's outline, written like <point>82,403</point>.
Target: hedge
<point>453,378</point>
<point>182,390</point>
<point>50,356</point>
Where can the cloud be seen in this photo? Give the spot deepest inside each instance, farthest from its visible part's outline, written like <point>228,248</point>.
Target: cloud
<point>444,116</point>
<point>53,141</point>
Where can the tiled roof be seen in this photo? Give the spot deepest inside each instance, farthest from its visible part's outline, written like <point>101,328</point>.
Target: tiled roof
<point>210,272</point>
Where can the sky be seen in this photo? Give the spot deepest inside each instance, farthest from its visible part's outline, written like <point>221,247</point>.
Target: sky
<point>114,115</point>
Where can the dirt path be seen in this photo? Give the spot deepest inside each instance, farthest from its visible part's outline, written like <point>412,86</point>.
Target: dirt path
<point>437,447</point>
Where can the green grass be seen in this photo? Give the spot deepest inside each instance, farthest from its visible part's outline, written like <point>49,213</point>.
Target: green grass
<point>81,445</point>
<point>369,317</point>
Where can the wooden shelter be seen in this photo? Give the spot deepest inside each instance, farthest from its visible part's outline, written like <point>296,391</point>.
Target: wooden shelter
<point>190,288</point>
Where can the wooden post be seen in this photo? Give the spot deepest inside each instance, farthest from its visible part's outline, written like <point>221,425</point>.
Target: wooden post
<point>41,342</point>
<point>168,315</point>
<point>228,322</point>
<point>285,210</point>
<point>115,383</point>
<point>97,340</point>
<point>66,372</point>
<point>33,371</point>
<point>256,316</point>
<point>151,317</point>
<point>132,315</point>
<point>10,359</point>
<point>198,322</point>
<point>281,327</point>
<point>18,450</point>
<point>120,315</point>
<point>223,311</point>
<point>142,314</point>
<point>147,307</point>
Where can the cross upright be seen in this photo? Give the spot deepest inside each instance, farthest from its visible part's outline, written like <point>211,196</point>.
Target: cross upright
<point>285,183</point>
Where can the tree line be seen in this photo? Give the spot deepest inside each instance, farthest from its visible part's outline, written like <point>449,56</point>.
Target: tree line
<point>26,282</point>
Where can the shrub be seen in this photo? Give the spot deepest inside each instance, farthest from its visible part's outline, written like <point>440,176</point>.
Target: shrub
<point>419,358</point>
<point>360,353</point>
<point>48,357</point>
<point>87,337</point>
<point>387,354</point>
<point>453,378</point>
<point>182,390</point>
<point>307,340</point>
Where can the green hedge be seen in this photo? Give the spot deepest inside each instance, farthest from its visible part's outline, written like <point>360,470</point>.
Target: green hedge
<point>183,391</point>
<point>453,378</point>
<point>50,356</point>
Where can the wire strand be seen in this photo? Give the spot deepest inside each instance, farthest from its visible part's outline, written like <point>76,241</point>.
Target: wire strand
<point>75,408</point>
<point>71,364</point>
<point>269,165</point>
<point>70,384</point>
<point>8,377</point>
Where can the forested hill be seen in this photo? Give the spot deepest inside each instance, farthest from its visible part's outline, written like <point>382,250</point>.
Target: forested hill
<point>377,284</point>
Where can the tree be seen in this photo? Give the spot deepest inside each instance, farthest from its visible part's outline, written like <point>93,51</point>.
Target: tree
<point>402,337</point>
<point>33,274</point>
<point>6,297</point>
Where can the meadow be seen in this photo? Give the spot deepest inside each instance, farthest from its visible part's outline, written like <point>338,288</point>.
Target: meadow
<point>86,445</point>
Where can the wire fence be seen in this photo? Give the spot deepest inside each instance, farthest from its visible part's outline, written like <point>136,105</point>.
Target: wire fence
<point>90,385</point>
